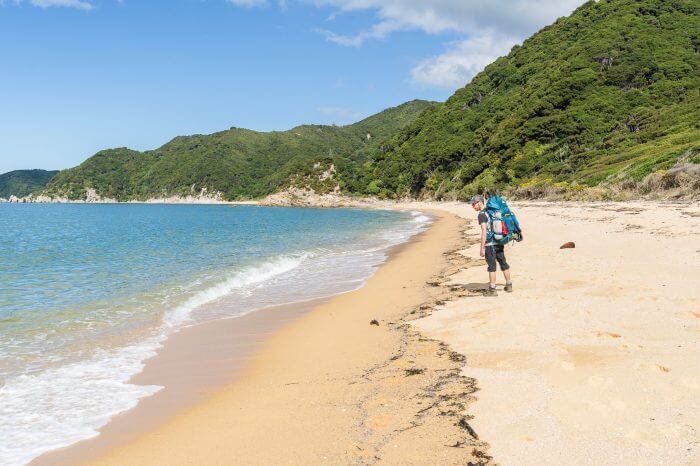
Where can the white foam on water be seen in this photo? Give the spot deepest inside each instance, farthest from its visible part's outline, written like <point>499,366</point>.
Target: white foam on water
<point>419,222</point>
<point>324,272</point>
<point>63,405</point>
<point>420,217</point>
<point>251,276</point>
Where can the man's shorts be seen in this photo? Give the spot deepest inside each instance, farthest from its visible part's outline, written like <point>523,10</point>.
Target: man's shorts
<point>495,253</point>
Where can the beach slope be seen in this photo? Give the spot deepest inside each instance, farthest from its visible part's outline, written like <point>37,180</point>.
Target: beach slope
<point>334,388</point>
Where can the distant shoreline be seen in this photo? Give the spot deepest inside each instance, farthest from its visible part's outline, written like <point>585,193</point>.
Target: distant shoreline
<point>174,201</point>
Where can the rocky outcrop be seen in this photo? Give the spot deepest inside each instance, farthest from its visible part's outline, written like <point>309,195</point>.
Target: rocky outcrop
<point>304,197</point>
<point>317,188</point>
<point>692,169</point>
<point>203,197</point>
<point>684,165</point>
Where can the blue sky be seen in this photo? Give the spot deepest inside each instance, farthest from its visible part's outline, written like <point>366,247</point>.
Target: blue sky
<point>77,76</point>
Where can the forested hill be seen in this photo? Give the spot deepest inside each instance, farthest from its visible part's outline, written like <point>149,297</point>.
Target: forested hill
<point>238,163</point>
<point>22,182</point>
<point>608,93</point>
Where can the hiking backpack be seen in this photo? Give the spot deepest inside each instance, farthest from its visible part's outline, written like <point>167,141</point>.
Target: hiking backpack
<point>504,226</point>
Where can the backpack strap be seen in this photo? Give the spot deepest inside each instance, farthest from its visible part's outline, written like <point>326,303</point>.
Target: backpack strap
<point>489,228</point>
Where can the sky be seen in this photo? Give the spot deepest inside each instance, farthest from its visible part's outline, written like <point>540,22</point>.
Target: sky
<point>78,76</point>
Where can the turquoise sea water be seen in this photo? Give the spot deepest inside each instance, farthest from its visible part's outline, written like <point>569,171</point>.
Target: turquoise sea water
<point>88,292</point>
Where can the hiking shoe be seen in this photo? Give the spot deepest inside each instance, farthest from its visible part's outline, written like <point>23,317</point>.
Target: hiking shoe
<point>490,292</point>
<point>508,288</point>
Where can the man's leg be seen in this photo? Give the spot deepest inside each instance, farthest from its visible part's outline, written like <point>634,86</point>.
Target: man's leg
<point>490,256</point>
<point>506,275</point>
<point>505,268</point>
<point>509,284</point>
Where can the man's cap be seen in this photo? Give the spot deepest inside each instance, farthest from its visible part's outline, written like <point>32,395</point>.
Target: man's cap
<point>476,198</point>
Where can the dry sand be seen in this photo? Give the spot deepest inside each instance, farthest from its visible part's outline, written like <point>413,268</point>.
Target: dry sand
<point>594,359</point>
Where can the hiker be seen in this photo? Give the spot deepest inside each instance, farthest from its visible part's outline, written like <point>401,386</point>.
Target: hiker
<point>498,227</point>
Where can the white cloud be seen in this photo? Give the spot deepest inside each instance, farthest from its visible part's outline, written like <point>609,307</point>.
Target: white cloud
<point>461,61</point>
<point>378,31</point>
<point>79,4</point>
<point>489,29</point>
<point>517,18</point>
<point>82,5</point>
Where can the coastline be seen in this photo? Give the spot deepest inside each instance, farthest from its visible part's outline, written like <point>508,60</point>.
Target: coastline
<point>591,359</point>
<point>265,362</point>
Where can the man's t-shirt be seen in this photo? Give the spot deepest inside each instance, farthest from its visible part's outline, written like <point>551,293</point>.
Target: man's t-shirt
<point>484,218</point>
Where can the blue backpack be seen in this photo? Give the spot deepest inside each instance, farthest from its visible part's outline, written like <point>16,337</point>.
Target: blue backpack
<point>504,226</point>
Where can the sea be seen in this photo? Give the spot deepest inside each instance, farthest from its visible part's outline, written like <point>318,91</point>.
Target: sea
<point>88,292</point>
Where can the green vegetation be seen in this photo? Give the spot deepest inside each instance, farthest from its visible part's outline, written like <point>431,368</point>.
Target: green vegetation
<point>239,163</point>
<point>22,182</point>
<point>611,90</point>
<point>609,95</point>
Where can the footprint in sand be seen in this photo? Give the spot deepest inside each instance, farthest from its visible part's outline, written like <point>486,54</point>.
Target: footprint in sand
<point>608,334</point>
<point>572,284</point>
<point>627,347</point>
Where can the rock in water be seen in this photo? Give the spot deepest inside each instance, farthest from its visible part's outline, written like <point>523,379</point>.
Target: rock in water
<point>569,245</point>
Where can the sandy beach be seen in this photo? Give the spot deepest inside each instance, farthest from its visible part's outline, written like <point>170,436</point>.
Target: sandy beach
<point>241,232</point>
<point>592,360</point>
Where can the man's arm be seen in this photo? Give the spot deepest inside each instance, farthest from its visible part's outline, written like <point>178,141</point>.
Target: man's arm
<point>483,239</point>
